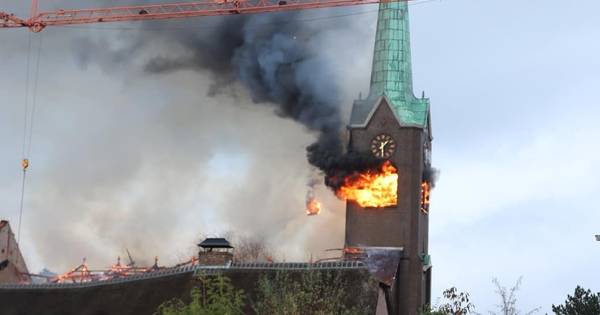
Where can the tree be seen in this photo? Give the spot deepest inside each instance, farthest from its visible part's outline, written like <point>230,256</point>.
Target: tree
<point>251,249</point>
<point>309,293</point>
<point>215,296</point>
<point>508,299</point>
<point>457,303</point>
<point>583,302</point>
<point>248,248</point>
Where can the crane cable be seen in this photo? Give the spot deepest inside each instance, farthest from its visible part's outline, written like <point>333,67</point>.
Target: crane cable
<point>28,121</point>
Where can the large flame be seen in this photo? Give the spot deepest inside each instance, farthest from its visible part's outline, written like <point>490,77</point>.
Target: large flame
<point>372,188</point>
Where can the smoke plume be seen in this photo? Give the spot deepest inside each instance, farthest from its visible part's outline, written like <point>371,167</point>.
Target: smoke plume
<point>431,175</point>
<point>168,132</point>
<point>274,60</point>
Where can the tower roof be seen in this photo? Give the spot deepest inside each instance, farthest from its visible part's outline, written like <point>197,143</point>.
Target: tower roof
<point>391,75</point>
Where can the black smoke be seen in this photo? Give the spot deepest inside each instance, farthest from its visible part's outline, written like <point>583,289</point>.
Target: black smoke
<point>337,166</point>
<point>274,60</point>
<point>430,175</point>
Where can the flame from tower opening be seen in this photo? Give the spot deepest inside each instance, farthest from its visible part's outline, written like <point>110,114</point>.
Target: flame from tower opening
<point>425,191</point>
<point>372,188</point>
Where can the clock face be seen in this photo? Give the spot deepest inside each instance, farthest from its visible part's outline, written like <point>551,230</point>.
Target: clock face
<point>383,146</point>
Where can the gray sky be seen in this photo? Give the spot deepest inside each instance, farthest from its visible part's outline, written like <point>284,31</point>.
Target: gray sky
<point>125,160</point>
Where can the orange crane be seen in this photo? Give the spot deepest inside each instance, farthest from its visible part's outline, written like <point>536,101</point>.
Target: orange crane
<point>40,20</point>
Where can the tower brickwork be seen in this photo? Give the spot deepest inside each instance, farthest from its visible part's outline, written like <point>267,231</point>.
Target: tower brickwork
<point>391,111</point>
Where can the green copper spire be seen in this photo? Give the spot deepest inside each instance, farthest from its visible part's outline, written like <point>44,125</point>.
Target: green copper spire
<point>392,72</point>
<point>391,76</point>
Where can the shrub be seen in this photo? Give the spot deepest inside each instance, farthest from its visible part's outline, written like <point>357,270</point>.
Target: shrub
<point>311,293</point>
<point>215,296</point>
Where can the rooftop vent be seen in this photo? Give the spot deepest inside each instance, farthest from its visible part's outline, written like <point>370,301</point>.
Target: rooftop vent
<point>215,243</point>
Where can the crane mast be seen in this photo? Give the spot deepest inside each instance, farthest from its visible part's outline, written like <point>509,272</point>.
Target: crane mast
<point>40,20</point>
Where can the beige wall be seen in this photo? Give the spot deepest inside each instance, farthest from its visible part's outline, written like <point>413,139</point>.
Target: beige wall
<point>9,250</point>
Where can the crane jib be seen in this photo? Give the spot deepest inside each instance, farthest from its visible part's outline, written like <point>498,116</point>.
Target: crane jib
<point>40,20</point>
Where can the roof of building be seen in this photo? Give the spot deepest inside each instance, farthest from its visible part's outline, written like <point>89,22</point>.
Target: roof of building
<point>198,269</point>
<point>391,76</point>
<point>215,243</point>
<point>383,262</point>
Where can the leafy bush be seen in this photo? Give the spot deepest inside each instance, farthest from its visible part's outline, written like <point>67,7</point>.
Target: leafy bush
<point>215,296</point>
<point>312,293</point>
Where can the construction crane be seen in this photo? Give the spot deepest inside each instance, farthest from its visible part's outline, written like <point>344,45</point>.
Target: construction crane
<point>40,20</point>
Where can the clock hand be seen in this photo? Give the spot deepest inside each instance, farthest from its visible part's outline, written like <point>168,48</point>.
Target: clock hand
<point>382,147</point>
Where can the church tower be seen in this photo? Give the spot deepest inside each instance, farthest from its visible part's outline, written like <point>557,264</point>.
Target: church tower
<point>393,124</point>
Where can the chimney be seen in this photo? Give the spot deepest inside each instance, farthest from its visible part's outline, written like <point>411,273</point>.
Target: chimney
<point>215,252</point>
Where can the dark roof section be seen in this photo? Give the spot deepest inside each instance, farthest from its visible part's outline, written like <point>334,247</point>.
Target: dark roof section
<point>383,262</point>
<point>215,243</point>
<point>171,272</point>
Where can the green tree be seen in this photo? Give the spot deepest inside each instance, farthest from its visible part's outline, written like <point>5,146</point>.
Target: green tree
<point>310,293</point>
<point>215,296</point>
<point>583,302</point>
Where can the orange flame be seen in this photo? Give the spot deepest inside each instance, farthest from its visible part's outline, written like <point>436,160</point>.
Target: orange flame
<point>313,207</point>
<point>425,191</point>
<point>376,189</point>
<point>352,250</point>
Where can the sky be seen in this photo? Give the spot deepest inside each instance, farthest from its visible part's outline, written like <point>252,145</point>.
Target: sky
<point>120,159</point>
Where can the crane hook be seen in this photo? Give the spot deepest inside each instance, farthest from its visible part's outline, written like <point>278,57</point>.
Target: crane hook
<point>37,27</point>
<point>25,164</point>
